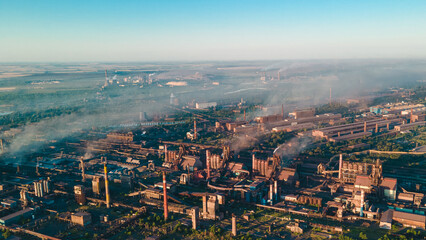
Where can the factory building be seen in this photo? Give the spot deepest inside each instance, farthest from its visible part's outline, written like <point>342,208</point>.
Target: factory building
<point>404,218</point>
<point>81,218</point>
<point>191,163</point>
<point>16,216</point>
<point>352,130</point>
<point>388,185</point>
<point>265,167</point>
<point>42,187</point>
<point>351,171</point>
<point>80,195</point>
<point>304,113</point>
<point>120,137</point>
<point>409,126</point>
<point>97,185</point>
<point>205,105</point>
<point>318,119</point>
<point>269,118</point>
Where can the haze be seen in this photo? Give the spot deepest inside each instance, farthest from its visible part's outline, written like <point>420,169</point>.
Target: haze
<point>66,31</point>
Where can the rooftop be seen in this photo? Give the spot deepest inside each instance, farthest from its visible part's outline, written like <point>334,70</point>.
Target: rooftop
<point>409,216</point>
<point>389,183</point>
<point>16,214</point>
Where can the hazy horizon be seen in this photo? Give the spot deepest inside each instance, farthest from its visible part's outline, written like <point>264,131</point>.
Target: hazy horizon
<point>188,31</point>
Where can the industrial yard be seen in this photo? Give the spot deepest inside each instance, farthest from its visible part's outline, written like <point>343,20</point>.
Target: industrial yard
<point>174,164</point>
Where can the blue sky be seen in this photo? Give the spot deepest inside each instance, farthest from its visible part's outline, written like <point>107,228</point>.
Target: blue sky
<point>161,30</point>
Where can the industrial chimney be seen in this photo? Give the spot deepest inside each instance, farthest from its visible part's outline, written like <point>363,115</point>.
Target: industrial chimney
<point>234,225</point>
<point>166,208</point>
<point>106,183</point>
<point>166,155</point>
<point>276,190</point>
<point>340,166</point>
<point>106,78</point>
<point>361,212</point>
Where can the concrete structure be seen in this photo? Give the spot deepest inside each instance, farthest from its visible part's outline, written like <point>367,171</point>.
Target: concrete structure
<point>210,207</point>
<point>195,214</point>
<point>80,195</point>
<point>97,185</point>
<point>81,218</point>
<point>38,189</point>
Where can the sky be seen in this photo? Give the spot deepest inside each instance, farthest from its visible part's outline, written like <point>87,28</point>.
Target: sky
<point>205,30</point>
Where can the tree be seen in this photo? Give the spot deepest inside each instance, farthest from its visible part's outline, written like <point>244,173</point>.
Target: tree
<point>6,234</point>
<point>362,236</point>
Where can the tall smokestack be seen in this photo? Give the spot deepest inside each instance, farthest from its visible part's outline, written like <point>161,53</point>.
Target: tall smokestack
<point>1,144</point>
<point>106,183</point>
<point>279,76</point>
<point>276,190</point>
<point>204,206</point>
<point>234,225</point>
<point>166,208</point>
<point>411,116</point>
<point>330,96</point>
<point>195,129</point>
<point>195,214</point>
<point>37,172</point>
<point>361,212</point>
<point>106,78</point>
<point>166,155</point>
<point>365,126</point>
<point>377,127</point>
<point>208,163</point>
<point>282,111</point>
<point>244,117</point>
<point>83,175</point>
<point>253,163</point>
<point>340,166</point>
<point>271,193</point>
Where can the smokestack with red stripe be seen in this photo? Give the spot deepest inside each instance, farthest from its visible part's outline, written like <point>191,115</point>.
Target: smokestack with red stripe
<point>340,166</point>
<point>166,208</point>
